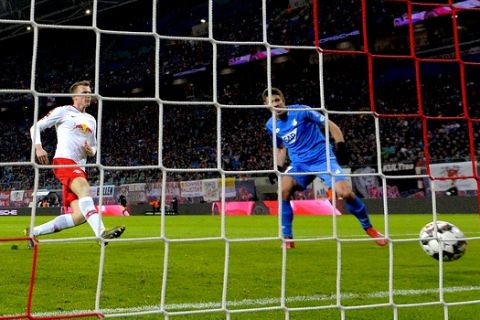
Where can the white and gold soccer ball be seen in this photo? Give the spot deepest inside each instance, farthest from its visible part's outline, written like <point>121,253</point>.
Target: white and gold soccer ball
<point>447,240</point>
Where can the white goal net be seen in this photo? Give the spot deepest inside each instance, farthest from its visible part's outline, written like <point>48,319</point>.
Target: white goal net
<point>177,90</point>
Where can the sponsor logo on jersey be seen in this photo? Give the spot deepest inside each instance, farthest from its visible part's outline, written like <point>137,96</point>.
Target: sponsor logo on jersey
<point>290,137</point>
<point>77,171</point>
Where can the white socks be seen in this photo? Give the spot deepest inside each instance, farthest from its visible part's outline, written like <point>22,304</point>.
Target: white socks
<point>87,207</point>
<point>64,221</point>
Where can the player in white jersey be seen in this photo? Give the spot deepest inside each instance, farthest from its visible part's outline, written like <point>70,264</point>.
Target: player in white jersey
<point>76,140</point>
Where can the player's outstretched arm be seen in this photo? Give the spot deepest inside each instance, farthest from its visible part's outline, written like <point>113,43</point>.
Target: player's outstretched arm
<point>336,132</point>
<point>41,154</point>
<point>48,121</point>
<point>281,154</point>
<point>341,152</point>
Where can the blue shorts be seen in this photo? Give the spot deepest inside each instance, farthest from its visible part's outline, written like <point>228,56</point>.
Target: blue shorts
<point>305,180</point>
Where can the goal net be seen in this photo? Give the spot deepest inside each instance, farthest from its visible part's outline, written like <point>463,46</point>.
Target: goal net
<point>177,90</point>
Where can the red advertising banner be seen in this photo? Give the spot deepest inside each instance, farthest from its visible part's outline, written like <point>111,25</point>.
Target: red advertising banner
<point>234,208</point>
<point>305,207</point>
<point>108,210</point>
<point>300,207</point>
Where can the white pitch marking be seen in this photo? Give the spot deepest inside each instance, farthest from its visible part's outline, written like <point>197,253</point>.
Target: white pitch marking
<point>266,301</point>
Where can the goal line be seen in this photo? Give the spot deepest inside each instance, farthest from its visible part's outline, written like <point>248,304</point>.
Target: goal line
<point>244,303</point>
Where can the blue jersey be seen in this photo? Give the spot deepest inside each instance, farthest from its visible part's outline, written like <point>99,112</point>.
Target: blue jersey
<point>300,133</point>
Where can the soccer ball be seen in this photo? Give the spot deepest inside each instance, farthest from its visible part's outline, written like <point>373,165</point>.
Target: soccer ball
<point>446,240</point>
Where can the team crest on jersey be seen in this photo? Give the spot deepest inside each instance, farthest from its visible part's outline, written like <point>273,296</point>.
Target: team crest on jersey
<point>84,128</point>
<point>290,137</point>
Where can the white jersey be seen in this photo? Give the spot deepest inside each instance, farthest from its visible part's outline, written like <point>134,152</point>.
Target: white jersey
<point>73,129</point>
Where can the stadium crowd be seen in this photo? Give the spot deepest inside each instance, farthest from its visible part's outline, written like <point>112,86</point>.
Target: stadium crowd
<point>130,130</point>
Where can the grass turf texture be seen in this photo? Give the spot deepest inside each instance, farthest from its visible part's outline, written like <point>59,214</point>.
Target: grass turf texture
<point>67,273</point>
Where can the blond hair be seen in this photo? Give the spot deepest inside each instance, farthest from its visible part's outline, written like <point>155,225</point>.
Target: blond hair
<point>77,84</point>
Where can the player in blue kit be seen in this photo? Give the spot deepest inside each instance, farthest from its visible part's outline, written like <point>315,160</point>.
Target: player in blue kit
<point>300,133</point>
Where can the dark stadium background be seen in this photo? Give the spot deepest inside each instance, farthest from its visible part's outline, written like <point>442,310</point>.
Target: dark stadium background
<point>127,69</point>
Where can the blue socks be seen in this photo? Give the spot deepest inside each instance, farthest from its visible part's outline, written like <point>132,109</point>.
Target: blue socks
<point>287,218</point>
<point>357,208</point>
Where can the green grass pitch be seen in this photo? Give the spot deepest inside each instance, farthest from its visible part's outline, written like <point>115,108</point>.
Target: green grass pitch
<point>67,273</point>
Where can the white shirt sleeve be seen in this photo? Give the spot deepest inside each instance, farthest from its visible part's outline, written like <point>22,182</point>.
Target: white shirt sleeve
<point>47,121</point>
<point>93,139</point>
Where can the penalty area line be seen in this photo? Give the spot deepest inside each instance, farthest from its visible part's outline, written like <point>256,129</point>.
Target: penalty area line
<point>267,301</point>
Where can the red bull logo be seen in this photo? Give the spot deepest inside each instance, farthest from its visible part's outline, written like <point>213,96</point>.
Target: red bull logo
<point>84,128</point>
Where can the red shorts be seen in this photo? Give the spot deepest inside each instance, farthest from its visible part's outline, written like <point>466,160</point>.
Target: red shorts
<point>66,176</point>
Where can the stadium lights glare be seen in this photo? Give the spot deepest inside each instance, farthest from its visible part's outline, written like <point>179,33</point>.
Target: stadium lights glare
<point>29,28</point>
<point>88,12</point>
<point>203,20</point>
